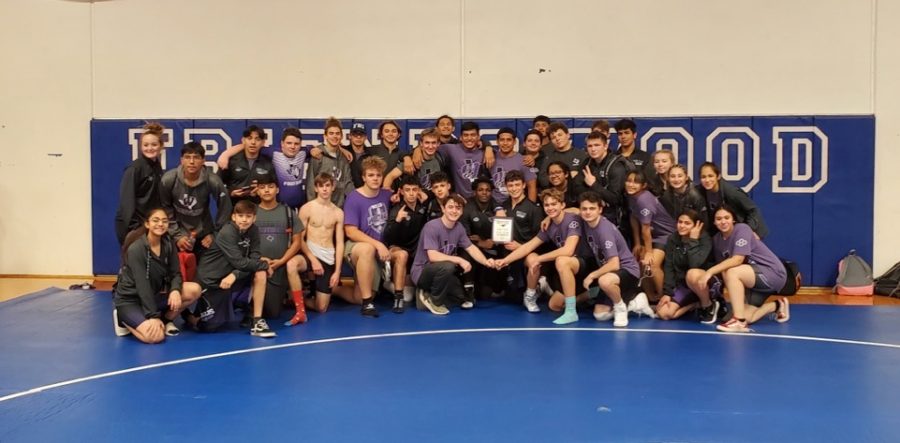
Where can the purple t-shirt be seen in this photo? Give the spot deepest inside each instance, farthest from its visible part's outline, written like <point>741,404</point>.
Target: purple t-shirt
<point>435,236</point>
<point>649,211</point>
<point>369,215</point>
<point>558,233</point>
<point>291,173</point>
<point>755,252</point>
<point>606,242</point>
<point>502,165</point>
<point>463,165</point>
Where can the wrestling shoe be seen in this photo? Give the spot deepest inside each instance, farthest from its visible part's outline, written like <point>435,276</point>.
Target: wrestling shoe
<point>261,329</point>
<point>120,330</point>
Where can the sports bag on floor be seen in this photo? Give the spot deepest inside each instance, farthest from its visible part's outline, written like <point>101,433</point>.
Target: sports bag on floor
<point>854,276</point>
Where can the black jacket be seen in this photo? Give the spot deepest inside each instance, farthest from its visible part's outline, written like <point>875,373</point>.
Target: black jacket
<point>683,255</point>
<point>745,211</point>
<point>138,194</point>
<point>144,275</point>
<point>232,252</point>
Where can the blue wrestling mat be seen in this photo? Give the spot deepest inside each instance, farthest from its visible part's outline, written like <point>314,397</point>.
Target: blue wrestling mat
<point>492,374</point>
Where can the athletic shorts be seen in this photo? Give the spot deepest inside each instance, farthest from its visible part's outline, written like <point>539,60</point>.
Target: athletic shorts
<point>683,296</point>
<point>321,283</point>
<point>132,314</point>
<point>761,289</point>
<point>628,287</point>
<point>376,278</point>
<point>585,267</point>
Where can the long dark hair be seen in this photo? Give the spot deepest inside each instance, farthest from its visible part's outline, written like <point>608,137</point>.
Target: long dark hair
<point>137,233</point>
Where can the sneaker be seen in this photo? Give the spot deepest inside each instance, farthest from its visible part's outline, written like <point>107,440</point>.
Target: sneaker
<point>171,329</point>
<point>733,325</point>
<point>429,304</point>
<point>120,330</point>
<point>261,329</point>
<point>409,294</point>
<point>469,289</point>
<point>783,313</point>
<point>544,287</point>
<point>641,306</point>
<point>467,304</point>
<point>710,314</point>
<point>530,302</point>
<point>620,315</point>
<point>398,305</point>
<point>368,310</point>
<point>604,316</point>
<point>420,295</point>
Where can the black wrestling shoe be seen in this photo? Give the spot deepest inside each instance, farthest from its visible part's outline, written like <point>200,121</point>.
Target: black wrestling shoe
<point>368,310</point>
<point>398,304</point>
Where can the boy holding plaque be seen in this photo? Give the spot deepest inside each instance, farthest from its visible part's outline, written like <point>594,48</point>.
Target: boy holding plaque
<point>525,217</point>
<point>565,233</point>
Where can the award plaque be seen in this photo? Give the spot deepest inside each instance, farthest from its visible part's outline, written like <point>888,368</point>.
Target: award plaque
<point>502,230</point>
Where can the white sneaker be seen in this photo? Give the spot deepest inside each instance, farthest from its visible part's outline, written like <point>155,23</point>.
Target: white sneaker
<point>429,304</point>
<point>467,304</point>
<point>530,302</point>
<point>409,293</point>
<point>544,287</point>
<point>121,331</point>
<point>641,306</point>
<point>620,315</point>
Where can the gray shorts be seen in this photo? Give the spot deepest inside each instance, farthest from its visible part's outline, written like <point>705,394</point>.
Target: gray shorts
<point>376,278</point>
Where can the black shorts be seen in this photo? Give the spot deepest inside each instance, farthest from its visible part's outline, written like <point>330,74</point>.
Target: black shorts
<point>628,288</point>
<point>585,267</point>
<point>321,283</point>
<point>132,314</point>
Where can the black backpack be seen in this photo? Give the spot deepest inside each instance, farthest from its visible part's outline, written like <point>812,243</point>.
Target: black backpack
<point>889,282</point>
<point>794,278</point>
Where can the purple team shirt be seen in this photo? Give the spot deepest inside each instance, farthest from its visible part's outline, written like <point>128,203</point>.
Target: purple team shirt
<point>369,215</point>
<point>463,165</point>
<point>435,236</point>
<point>558,233</point>
<point>502,165</point>
<point>607,242</point>
<point>291,173</point>
<point>649,211</point>
<point>743,242</point>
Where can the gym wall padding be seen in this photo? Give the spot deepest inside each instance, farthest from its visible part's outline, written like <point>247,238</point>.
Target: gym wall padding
<point>816,196</point>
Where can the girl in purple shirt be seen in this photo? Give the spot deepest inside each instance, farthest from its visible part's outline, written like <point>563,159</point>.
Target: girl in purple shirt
<point>751,273</point>
<point>651,226</point>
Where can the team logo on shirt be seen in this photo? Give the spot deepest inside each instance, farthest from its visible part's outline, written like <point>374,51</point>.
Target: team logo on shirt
<point>573,224</point>
<point>592,243</point>
<point>262,171</point>
<point>448,248</point>
<point>294,171</point>
<point>475,219</point>
<point>645,212</point>
<point>576,162</point>
<point>377,217</point>
<point>521,214</point>
<point>741,242</point>
<point>336,173</point>
<point>425,178</point>
<point>188,201</point>
<point>469,170</point>
<point>608,244</point>
<point>499,178</point>
<point>238,169</point>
